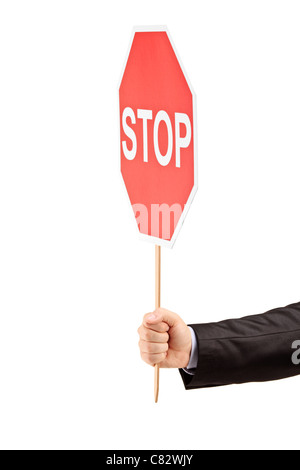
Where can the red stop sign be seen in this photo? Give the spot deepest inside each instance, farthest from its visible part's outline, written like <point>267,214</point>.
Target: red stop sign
<point>157,128</point>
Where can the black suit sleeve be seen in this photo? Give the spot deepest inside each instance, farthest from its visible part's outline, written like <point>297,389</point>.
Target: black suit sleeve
<point>257,348</point>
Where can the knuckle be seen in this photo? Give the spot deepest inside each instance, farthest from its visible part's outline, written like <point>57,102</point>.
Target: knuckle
<point>150,348</point>
<point>145,357</point>
<point>140,331</point>
<point>149,358</point>
<point>144,317</point>
<point>146,346</point>
<point>161,357</point>
<point>147,334</point>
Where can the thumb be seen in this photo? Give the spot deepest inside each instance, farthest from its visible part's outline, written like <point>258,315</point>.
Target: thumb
<point>161,315</point>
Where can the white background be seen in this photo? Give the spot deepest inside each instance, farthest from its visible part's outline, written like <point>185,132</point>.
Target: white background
<point>75,280</point>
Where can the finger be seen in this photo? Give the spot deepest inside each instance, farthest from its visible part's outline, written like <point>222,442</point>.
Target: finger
<point>161,315</point>
<point>153,348</point>
<point>150,335</point>
<point>160,327</point>
<point>153,359</point>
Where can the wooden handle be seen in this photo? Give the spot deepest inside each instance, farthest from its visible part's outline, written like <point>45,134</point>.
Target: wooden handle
<point>157,276</point>
<point>156,382</point>
<point>157,305</point>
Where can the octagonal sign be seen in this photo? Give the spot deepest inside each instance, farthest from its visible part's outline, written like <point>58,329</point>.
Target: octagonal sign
<point>157,135</point>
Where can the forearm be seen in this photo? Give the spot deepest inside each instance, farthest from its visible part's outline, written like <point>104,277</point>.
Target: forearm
<point>251,349</point>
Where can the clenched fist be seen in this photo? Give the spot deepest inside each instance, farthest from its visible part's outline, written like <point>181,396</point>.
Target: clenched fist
<point>165,339</point>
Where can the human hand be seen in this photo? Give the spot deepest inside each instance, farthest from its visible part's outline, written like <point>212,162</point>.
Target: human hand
<point>165,339</point>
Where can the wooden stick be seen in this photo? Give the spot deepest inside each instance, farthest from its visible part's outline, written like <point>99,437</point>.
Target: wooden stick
<point>157,305</point>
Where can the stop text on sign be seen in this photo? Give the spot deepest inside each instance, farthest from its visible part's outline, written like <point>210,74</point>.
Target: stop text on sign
<point>182,139</point>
